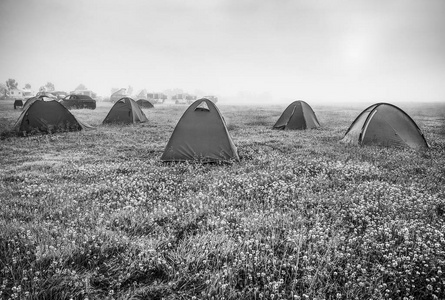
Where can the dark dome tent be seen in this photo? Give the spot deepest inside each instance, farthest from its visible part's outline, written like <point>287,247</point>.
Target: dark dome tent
<point>46,116</point>
<point>30,101</point>
<point>298,115</point>
<point>41,96</point>
<point>201,135</point>
<point>386,125</point>
<point>144,103</point>
<point>125,111</point>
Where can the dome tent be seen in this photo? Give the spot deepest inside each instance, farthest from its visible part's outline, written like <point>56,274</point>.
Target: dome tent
<point>40,96</point>
<point>31,101</point>
<point>144,103</point>
<point>125,111</point>
<point>201,135</point>
<point>298,115</point>
<point>47,116</point>
<point>387,125</point>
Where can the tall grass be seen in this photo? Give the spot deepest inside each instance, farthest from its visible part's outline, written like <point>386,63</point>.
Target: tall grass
<point>96,215</point>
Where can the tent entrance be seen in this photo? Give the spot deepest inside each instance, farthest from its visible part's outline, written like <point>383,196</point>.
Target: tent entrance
<point>202,107</point>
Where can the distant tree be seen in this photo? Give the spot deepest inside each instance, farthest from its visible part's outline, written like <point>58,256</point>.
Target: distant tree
<point>81,87</point>
<point>11,84</point>
<point>114,90</point>
<point>3,90</point>
<point>27,86</point>
<point>50,87</point>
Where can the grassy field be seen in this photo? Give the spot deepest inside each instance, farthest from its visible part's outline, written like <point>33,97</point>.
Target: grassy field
<point>97,215</point>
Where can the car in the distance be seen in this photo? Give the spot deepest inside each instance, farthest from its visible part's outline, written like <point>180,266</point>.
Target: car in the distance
<point>78,101</point>
<point>60,94</point>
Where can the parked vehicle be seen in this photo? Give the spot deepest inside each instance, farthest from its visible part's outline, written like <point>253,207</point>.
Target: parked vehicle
<point>84,92</point>
<point>60,94</point>
<point>25,95</point>
<point>78,101</point>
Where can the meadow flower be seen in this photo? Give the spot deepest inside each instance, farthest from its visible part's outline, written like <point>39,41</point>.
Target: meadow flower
<point>279,223</point>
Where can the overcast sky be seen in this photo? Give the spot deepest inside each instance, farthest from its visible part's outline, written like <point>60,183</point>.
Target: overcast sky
<point>345,50</point>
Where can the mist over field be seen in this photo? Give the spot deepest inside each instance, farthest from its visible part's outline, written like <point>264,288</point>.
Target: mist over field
<point>242,51</point>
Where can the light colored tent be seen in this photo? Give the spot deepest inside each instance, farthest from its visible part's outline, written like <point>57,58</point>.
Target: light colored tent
<point>142,95</point>
<point>125,111</point>
<point>119,94</point>
<point>144,103</point>
<point>298,115</point>
<point>47,116</point>
<point>201,135</point>
<point>387,125</point>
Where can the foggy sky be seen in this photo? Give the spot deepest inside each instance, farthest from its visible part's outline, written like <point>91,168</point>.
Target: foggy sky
<point>316,50</point>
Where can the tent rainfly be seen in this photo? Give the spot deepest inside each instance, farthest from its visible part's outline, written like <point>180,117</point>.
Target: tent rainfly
<point>386,125</point>
<point>201,135</point>
<point>125,111</point>
<point>47,116</point>
<point>298,115</point>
